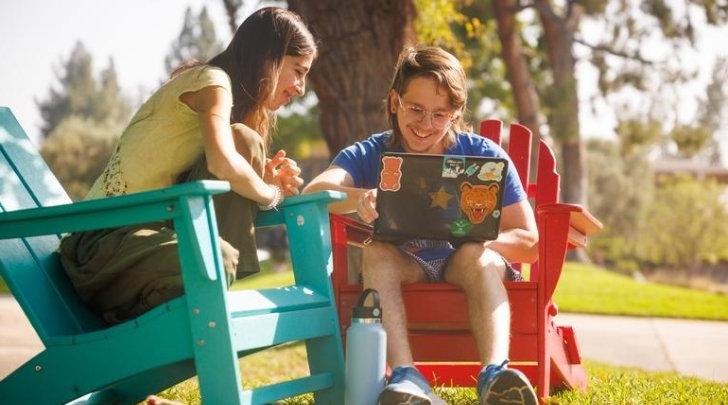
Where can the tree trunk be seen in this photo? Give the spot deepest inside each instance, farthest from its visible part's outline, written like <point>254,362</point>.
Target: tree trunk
<point>563,98</point>
<point>359,43</point>
<point>524,91</point>
<point>231,10</point>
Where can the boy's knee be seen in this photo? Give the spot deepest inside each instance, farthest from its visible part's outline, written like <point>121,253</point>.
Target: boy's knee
<point>472,262</point>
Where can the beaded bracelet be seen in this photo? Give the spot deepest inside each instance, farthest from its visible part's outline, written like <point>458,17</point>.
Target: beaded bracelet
<point>277,198</point>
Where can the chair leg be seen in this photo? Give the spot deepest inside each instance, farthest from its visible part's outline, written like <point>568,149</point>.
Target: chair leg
<point>325,354</point>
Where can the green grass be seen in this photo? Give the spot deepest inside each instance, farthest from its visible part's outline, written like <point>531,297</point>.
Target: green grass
<point>607,384</point>
<point>590,289</point>
<point>582,289</point>
<point>265,279</point>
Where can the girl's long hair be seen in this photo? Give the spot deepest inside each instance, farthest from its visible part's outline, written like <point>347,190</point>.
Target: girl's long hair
<point>253,61</point>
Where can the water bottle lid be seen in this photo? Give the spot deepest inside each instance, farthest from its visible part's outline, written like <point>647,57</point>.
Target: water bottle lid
<point>361,311</point>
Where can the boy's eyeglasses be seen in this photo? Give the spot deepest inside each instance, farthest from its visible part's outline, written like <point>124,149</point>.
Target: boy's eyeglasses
<point>438,119</point>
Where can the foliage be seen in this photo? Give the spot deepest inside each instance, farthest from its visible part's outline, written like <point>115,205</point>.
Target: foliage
<point>636,135</point>
<point>690,139</point>
<point>467,29</point>
<point>77,151</point>
<point>622,385</point>
<point>82,95</point>
<point>712,109</point>
<point>607,384</point>
<point>594,290</point>
<point>298,130</point>
<point>684,225</point>
<point>621,185</point>
<point>82,120</point>
<point>196,41</point>
<point>434,26</point>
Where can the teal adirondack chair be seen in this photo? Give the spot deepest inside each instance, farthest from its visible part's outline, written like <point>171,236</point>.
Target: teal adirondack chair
<point>203,332</point>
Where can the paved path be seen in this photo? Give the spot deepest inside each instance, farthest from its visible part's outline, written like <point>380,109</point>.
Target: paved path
<point>698,348</point>
<point>18,341</point>
<point>695,348</point>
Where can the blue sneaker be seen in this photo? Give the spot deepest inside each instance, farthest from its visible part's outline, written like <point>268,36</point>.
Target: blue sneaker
<point>407,386</point>
<point>500,385</point>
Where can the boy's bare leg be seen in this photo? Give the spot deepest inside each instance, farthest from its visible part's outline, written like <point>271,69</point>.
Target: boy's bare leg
<point>385,269</point>
<point>479,272</point>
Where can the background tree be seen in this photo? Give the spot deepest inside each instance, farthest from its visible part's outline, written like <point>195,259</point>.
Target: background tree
<point>79,92</point>
<point>713,109</point>
<point>695,232</point>
<point>358,46</point>
<point>82,120</point>
<point>519,76</point>
<point>196,41</point>
<point>231,10</point>
<point>77,151</point>
<point>562,98</point>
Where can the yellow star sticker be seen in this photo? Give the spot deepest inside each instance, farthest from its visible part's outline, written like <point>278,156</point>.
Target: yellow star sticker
<point>440,198</point>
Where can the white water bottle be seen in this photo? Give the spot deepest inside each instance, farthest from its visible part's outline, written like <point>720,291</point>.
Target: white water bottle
<point>366,352</point>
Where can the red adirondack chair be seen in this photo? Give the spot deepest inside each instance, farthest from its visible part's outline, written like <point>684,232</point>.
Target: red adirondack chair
<point>442,345</point>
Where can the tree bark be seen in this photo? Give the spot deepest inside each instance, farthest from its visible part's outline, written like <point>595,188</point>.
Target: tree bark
<point>563,98</point>
<point>359,42</point>
<point>231,10</point>
<point>524,91</point>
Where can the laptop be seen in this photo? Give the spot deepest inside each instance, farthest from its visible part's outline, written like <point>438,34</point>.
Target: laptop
<point>445,197</point>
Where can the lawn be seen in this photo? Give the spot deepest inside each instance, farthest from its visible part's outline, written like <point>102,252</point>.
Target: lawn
<point>593,290</point>
<point>607,384</point>
<point>590,289</point>
<point>584,289</point>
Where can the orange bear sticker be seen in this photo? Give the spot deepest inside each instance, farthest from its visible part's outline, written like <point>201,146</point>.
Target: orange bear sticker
<point>391,175</point>
<point>478,201</point>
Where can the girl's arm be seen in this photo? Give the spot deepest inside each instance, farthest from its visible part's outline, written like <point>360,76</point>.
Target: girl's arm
<point>213,105</point>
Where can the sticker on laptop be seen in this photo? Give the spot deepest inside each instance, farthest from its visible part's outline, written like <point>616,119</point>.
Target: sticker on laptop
<point>478,201</point>
<point>453,166</point>
<point>491,171</point>
<point>472,169</point>
<point>391,175</point>
<point>440,198</point>
<point>460,227</point>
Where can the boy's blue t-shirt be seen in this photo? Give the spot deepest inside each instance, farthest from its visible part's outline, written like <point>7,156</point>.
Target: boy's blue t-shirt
<point>361,160</point>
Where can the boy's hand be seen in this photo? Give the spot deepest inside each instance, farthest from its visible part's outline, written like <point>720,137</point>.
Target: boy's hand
<point>283,171</point>
<point>366,207</point>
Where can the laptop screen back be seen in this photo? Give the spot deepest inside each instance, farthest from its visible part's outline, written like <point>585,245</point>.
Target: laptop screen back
<point>446,197</point>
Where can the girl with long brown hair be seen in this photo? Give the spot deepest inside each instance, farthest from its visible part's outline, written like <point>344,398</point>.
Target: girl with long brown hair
<point>208,121</point>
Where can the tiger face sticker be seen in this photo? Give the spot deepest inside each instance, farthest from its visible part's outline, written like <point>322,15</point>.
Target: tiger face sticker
<point>478,201</point>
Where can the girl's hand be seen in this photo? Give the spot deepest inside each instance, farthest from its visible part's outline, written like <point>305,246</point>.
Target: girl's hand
<point>283,172</point>
<point>366,207</point>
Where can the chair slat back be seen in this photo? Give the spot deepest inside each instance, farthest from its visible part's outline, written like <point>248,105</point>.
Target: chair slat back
<point>30,266</point>
<point>519,149</point>
<point>546,188</point>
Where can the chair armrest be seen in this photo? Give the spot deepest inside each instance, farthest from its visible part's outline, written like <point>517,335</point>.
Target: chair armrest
<point>275,216</point>
<point>582,223</point>
<point>136,208</point>
<point>357,232</point>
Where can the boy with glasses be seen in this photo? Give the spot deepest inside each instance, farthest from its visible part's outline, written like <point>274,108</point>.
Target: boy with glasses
<point>425,108</point>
